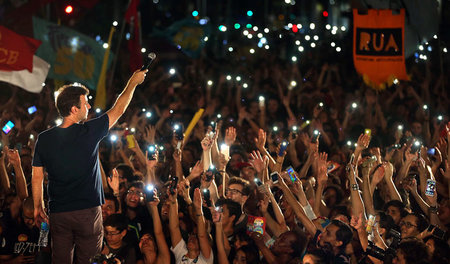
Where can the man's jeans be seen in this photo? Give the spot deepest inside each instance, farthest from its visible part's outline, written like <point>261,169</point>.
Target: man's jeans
<point>81,230</point>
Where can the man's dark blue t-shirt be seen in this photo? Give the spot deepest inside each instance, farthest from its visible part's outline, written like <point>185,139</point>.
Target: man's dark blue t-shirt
<point>70,157</point>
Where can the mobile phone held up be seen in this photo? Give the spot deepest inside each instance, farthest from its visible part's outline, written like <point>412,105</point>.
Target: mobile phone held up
<point>130,141</point>
<point>149,192</point>
<point>178,131</point>
<point>274,177</point>
<point>173,185</point>
<point>152,150</point>
<point>431,187</point>
<point>290,171</point>
<point>207,197</point>
<point>7,128</point>
<point>315,136</point>
<point>283,148</point>
<point>32,109</point>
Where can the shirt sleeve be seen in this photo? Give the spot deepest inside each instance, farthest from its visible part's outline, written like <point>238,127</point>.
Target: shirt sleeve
<point>98,127</point>
<point>179,251</point>
<point>37,161</point>
<point>209,260</point>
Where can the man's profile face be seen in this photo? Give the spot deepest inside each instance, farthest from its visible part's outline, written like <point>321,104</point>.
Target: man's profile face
<point>84,108</point>
<point>328,237</point>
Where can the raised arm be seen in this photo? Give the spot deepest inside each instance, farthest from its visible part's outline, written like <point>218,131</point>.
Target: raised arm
<point>277,226</point>
<point>163,249</point>
<point>355,197</point>
<point>222,256</point>
<point>4,179</point>
<point>21,182</point>
<point>202,234</point>
<point>124,98</point>
<point>298,210</point>
<point>392,190</point>
<point>174,224</point>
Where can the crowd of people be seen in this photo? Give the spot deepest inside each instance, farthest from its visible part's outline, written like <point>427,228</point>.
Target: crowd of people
<point>288,163</point>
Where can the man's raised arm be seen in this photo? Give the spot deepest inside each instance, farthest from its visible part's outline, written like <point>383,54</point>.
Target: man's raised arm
<point>125,96</point>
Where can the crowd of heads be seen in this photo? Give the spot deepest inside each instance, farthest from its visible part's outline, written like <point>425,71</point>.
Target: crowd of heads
<point>377,128</point>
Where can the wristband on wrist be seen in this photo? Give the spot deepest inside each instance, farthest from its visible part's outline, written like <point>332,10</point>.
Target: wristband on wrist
<point>355,187</point>
<point>309,212</point>
<point>116,194</point>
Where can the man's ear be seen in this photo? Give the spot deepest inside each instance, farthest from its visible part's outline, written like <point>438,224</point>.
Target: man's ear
<point>74,109</point>
<point>338,243</point>
<point>123,233</point>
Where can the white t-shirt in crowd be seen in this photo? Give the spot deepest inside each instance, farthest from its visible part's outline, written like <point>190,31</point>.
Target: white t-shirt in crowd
<point>180,251</point>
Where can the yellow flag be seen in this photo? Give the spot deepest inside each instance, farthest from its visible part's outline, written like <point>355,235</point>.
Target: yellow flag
<point>100,97</point>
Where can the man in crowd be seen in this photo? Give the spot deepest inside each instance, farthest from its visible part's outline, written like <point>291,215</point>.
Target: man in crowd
<point>69,154</point>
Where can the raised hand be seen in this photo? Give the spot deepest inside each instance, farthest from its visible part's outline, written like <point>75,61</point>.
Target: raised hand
<point>378,174</point>
<point>263,204</point>
<point>363,141</point>
<point>151,163</point>
<point>292,138</point>
<point>411,186</point>
<point>322,176</point>
<point>155,201</point>
<point>446,173</point>
<point>198,201</point>
<point>357,222</point>
<point>230,136</point>
<point>223,161</point>
<point>197,170</point>
<point>260,141</point>
<point>437,158</point>
<point>257,161</point>
<point>206,143</point>
<point>114,182</point>
<point>149,134</point>
<point>184,187</point>
<point>442,146</point>
<point>13,156</point>
<point>177,155</point>
<point>410,157</point>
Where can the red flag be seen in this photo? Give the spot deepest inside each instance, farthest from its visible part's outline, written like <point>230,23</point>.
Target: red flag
<point>16,51</point>
<point>134,43</point>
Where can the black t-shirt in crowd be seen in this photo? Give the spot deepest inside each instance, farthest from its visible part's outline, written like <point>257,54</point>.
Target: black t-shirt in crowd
<point>16,238</point>
<point>70,157</point>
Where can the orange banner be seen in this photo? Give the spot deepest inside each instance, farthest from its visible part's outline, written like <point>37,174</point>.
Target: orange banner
<point>379,46</point>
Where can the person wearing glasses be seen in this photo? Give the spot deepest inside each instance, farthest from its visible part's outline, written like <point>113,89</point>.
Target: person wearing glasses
<point>238,191</point>
<point>135,211</point>
<point>115,230</point>
<point>412,225</point>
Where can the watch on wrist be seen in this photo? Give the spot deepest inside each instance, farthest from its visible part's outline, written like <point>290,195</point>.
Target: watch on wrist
<point>433,209</point>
